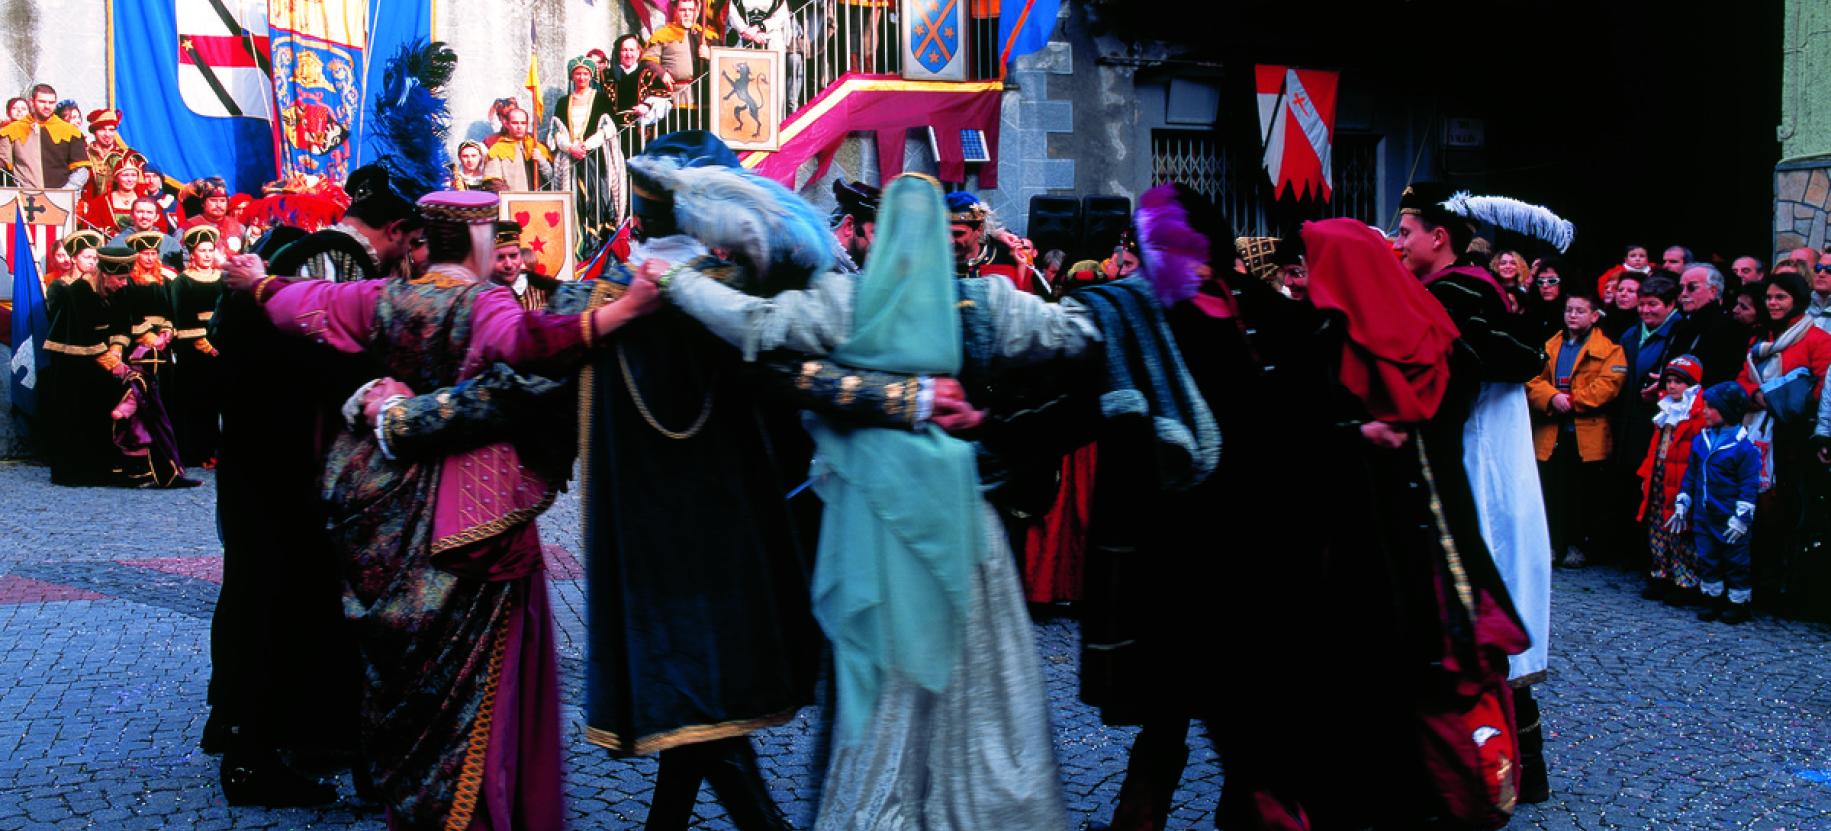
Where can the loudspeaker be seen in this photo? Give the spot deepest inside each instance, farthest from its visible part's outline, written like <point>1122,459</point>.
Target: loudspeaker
<point>1103,220</point>
<point>1055,222</point>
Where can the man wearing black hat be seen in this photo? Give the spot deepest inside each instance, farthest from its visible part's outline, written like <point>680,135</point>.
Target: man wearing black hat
<point>283,667</point>
<point>531,290</point>
<point>1496,519</point>
<point>854,222</point>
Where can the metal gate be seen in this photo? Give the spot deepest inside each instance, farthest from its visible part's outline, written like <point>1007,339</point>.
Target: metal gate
<point>1238,184</point>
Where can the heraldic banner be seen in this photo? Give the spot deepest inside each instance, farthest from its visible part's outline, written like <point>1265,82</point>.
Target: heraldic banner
<point>194,87</point>
<point>251,90</point>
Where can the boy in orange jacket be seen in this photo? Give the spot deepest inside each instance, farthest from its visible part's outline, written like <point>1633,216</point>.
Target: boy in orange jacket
<point>1569,403</point>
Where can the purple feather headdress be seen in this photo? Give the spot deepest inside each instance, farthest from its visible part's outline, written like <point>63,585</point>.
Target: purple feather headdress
<point>1171,249</point>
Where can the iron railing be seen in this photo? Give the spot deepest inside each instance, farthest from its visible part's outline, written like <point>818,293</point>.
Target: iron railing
<point>823,41</point>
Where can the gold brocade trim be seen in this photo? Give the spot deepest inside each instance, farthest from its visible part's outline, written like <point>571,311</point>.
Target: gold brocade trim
<point>205,315</point>
<point>693,734</point>
<point>470,776</point>
<point>604,292</point>
<point>187,334</point>
<point>1528,679</point>
<point>1459,576</point>
<point>206,277</point>
<point>848,389</point>
<point>78,351</point>
<point>499,525</point>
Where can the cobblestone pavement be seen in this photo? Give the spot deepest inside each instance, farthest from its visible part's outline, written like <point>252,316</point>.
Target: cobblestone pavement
<point>1655,721</point>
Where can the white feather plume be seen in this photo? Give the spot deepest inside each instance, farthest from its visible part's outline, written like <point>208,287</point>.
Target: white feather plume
<point>1512,214</point>
<point>742,212</point>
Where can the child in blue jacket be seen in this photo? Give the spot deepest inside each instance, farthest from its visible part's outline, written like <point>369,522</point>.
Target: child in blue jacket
<point>1717,498</point>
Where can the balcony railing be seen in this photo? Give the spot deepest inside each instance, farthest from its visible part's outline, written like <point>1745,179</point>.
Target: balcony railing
<point>824,41</point>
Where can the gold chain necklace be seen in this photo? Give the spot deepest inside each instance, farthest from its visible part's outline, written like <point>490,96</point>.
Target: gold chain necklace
<point>635,395</point>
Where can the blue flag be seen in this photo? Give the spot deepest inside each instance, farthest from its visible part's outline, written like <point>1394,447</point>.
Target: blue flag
<point>194,82</point>
<point>1024,26</point>
<point>30,324</point>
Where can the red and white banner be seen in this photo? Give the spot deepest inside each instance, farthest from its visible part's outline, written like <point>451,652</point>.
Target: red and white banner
<point>223,57</point>
<point>1297,118</point>
<point>49,214</point>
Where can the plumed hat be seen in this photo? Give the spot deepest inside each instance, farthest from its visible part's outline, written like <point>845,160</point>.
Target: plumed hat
<point>692,182</point>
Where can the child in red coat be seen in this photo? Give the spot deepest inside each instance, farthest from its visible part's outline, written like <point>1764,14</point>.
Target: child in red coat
<point>1673,571</point>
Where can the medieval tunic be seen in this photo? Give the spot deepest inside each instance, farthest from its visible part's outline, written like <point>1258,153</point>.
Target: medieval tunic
<point>441,560</point>
<point>1498,458</point>
<point>192,394</point>
<point>43,154</point>
<point>148,299</point>
<point>674,49</point>
<point>81,394</point>
<point>979,753</point>
<point>524,165</point>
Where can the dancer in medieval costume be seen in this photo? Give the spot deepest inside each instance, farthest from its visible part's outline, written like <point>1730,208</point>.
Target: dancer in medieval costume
<point>1433,643</point>
<point>588,156</point>
<point>284,675</point>
<point>442,570</point>
<point>1435,229</point>
<point>684,468</point>
<point>192,395</point>
<point>941,707</point>
<point>87,340</point>
<point>1259,603</point>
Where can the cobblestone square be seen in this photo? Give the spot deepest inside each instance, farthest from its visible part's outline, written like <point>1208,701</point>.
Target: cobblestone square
<point>1654,720</point>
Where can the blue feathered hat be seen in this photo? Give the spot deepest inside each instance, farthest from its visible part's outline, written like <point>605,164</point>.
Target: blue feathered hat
<point>716,201</point>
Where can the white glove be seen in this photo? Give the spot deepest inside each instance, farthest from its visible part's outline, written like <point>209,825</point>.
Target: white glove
<point>1737,528</point>
<point>1680,508</point>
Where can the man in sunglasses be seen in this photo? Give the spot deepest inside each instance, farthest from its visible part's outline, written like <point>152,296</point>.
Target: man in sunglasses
<point>1818,307</point>
<point>1707,332</point>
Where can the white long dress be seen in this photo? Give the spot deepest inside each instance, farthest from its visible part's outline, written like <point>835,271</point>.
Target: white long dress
<point>1503,472</point>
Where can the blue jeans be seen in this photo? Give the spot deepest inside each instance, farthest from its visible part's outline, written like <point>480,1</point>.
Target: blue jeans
<point>1721,564</point>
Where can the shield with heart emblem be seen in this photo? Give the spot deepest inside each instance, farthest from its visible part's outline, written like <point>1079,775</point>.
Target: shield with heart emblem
<point>546,228</point>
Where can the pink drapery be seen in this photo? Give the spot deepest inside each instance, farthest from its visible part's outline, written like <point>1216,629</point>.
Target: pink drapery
<point>890,106</point>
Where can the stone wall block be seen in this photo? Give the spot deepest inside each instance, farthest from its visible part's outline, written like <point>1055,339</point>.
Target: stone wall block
<point>1818,188</point>
<point>1793,184</point>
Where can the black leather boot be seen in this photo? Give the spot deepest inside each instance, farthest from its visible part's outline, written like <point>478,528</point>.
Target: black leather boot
<point>676,789</point>
<point>261,778</point>
<point>1534,780</point>
<point>734,776</point>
